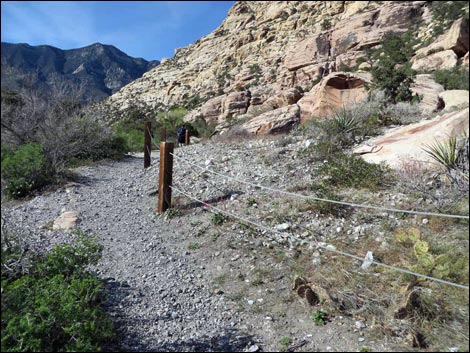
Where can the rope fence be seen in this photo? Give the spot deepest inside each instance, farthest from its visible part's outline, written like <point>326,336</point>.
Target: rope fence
<point>330,249</point>
<point>307,197</point>
<point>166,187</point>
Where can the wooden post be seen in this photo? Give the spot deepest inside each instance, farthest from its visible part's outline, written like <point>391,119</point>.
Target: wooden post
<point>163,139</point>
<point>186,138</point>
<point>147,143</point>
<point>165,177</point>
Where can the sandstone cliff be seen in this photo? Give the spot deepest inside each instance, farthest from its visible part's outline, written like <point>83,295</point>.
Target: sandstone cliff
<point>268,55</point>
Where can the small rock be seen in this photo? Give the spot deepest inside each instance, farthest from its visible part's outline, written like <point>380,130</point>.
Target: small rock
<point>425,221</point>
<point>361,339</point>
<point>283,226</point>
<point>251,302</point>
<point>253,348</point>
<point>359,325</point>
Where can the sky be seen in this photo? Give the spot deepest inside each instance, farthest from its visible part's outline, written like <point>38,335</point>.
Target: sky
<point>142,29</point>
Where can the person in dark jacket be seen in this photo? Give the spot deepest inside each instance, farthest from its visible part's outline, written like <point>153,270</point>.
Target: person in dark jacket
<point>181,134</point>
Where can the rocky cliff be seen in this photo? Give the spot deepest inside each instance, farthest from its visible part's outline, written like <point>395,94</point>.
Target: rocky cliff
<point>102,69</point>
<point>266,56</point>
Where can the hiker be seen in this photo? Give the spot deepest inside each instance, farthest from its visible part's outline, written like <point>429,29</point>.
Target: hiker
<point>181,134</point>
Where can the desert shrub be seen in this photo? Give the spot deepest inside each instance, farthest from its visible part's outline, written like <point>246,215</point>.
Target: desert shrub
<point>392,71</point>
<point>353,171</point>
<point>455,78</point>
<point>56,305</point>
<point>325,24</point>
<point>24,169</point>
<point>56,120</point>
<point>324,207</point>
<point>201,128</point>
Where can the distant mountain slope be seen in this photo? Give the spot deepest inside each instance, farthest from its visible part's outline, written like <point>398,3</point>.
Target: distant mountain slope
<point>102,69</point>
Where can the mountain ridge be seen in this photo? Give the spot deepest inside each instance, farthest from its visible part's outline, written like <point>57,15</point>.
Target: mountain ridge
<point>101,68</point>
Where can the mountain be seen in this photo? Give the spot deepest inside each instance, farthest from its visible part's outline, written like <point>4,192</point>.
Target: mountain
<point>102,69</point>
<point>268,55</point>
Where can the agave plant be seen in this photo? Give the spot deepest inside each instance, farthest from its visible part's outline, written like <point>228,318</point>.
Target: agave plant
<point>445,153</point>
<point>346,120</point>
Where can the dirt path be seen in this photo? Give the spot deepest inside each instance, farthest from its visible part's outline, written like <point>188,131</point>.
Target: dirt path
<point>185,284</point>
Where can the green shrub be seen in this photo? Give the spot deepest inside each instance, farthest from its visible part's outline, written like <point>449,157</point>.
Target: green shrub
<point>353,171</point>
<point>392,71</point>
<point>319,317</point>
<point>218,219</point>
<point>325,207</point>
<point>455,78</point>
<point>24,169</point>
<point>326,24</point>
<point>56,306</point>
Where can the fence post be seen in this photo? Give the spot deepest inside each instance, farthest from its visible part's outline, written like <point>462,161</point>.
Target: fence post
<point>163,139</point>
<point>186,137</point>
<point>165,176</point>
<point>147,143</point>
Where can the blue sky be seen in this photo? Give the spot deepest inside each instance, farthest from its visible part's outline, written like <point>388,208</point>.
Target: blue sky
<point>146,29</point>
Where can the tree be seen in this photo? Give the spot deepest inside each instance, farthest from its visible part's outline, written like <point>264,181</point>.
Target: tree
<point>392,70</point>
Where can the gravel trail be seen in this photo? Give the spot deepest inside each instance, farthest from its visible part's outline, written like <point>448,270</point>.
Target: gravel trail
<point>182,284</point>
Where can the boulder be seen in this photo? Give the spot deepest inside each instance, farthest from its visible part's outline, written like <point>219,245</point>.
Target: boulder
<point>428,90</point>
<point>465,61</point>
<point>333,92</point>
<point>212,108</point>
<point>66,221</point>
<point>454,98</point>
<point>456,39</point>
<point>446,59</point>
<point>275,121</point>
<point>407,142</point>
<point>236,103</point>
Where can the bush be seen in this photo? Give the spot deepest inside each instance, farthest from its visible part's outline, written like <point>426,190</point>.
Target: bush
<point>56,306</point>
<point>24,169</point>
<point>326,24</point>
<point>392,71</point>
<point>455,78</point>
<point>353,171</point>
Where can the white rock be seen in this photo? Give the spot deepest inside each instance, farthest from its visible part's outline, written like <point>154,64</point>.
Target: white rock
<point>425,221</point>
<point>283,226</point>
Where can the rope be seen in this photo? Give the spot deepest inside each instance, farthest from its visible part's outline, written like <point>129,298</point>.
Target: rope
<point>355,257</point>
<point>321,199</point>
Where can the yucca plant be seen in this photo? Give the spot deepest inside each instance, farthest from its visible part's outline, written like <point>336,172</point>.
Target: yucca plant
<point>346,120</point>
<point>445,153</point>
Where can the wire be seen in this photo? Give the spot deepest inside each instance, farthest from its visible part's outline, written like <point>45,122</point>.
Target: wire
<point>260,226</point>
<point>324,200</point>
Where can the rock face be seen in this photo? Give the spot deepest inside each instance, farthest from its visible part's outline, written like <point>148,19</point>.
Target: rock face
<point>102,69</point>
<point>266,56</point>
<point>445,50</point>
<point>337,90</point>
<point>407,143</point>
<point>266,48</point>
<point>275,121</point>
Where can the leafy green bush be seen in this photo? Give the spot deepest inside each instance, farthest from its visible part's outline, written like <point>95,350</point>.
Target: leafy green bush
<point>218,219</point>
<point>392,71</point>
<point>353,171</point>
<point>56,306</point>
<point>24,169</point>
<point>455,78</point>
<point>444,13</point>
<point>319,317</point>
<point>326,24</point>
